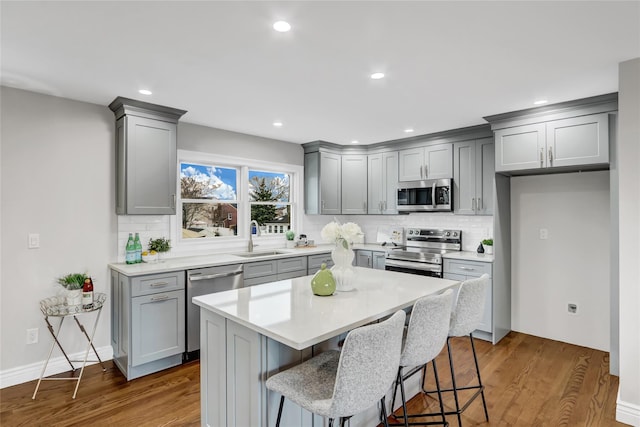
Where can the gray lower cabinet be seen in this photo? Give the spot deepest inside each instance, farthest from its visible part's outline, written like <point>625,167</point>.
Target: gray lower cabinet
<point>147,322</point>
<point>575,141</point>
<point>146,142</point>
<point>370,259</point>
<point>259,272</point>
<point>314,262</point>
<point>473,176</point>
<point>463,270</point>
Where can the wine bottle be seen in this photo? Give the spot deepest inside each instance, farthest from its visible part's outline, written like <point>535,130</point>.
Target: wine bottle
<point>130,251</point>
<point>138,248</point>
<point>87,293</point>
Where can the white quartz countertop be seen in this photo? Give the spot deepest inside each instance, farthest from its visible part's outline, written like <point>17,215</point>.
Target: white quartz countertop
<point>468,256</point>
<point>212,260</point>
<point>216,259</point>
<point>288,312</point>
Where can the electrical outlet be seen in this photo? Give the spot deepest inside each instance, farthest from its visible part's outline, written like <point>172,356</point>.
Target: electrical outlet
<point>544,234</point>
<point>32,336</point>
<point>572,308</point>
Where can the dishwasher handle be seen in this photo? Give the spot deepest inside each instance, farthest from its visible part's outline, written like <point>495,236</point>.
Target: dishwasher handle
<point>195,278</point>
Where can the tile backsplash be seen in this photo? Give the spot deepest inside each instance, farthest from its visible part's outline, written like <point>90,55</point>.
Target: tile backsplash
<point>474,228</point>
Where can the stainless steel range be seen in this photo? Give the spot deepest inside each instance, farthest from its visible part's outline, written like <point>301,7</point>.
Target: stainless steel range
<point>422,252</point>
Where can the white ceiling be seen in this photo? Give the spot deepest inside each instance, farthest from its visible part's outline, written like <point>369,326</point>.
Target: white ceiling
<point>447,64</point>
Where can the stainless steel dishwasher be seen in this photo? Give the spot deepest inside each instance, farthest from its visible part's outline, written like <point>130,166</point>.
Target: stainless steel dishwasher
<point>205,281</point>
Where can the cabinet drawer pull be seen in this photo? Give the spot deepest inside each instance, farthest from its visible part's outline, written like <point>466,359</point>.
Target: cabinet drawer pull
<point>158,285</point>
<point>467,268</point>
<point>160,298</point>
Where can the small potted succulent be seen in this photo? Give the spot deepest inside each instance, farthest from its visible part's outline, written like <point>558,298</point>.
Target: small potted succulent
<point>488,246</point>
<point>73,284</point>
<point>160,246</point>
<point>290,236</point>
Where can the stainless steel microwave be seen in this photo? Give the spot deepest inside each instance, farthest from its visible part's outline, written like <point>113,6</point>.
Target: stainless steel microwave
<point>433,195</point>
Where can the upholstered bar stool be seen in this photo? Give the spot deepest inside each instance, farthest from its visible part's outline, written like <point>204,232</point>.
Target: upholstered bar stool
<point>338,385</point>
<point>465,319</point>
<point>425,338</point>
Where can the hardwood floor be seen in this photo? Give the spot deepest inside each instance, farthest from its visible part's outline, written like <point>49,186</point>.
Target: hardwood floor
<point>529,381</point>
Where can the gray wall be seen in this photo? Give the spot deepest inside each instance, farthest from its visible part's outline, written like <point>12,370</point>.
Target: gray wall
<point>209,140</point>
<point>58,181</point>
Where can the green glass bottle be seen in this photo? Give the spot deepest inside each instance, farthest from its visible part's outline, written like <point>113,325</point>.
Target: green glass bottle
<point>130,251</point>
<point>323,283</point>
<point>138,248</point>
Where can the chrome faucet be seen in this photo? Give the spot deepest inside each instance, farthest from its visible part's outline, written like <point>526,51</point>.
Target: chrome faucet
<point>253,221</point>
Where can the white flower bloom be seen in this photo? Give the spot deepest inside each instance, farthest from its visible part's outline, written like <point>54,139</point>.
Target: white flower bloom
<point>333,231</point>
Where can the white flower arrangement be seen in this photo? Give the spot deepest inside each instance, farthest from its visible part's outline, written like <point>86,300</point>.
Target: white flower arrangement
<point>341,233</point>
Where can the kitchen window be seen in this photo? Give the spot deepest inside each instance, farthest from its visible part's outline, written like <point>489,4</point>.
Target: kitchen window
<point>269,201</point>
<point>219,196</point>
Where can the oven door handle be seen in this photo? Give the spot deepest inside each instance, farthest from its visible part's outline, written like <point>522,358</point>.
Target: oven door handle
<point>424,266</point>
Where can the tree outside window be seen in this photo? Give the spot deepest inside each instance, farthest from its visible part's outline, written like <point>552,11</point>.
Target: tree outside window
<point>269,195</point>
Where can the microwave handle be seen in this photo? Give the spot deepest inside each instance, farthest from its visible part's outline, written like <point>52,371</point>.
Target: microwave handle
<point>433,195</point>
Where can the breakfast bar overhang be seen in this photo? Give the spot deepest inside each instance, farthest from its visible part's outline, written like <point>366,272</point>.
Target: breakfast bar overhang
<point>251,333</point>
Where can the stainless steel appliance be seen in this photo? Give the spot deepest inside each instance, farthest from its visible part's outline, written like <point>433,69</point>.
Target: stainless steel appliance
<point>205,281</point>
<point>433,195</point>
<point>422,251</point>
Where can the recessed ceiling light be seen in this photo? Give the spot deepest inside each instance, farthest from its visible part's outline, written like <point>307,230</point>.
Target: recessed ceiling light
<point>354,142</point>
<point>377,76</point>
<point>409,130</point>
<point>277,124</point>
<point>145,92</point>
<point>540,102</point>
<point>282,26</point>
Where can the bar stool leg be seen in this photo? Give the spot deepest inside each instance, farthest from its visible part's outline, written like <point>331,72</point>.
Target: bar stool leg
<point>453,382</point>
<point>435,374</point>
<point>475,359</point>
<point>280,411</point>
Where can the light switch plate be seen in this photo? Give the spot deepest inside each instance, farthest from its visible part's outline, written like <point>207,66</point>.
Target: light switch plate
<point>34,241</point>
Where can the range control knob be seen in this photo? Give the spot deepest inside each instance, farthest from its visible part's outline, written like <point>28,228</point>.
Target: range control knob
<point>448,233</point>
<point>455,234</point>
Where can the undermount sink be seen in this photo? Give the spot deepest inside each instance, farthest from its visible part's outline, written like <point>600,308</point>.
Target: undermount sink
<point>259,254</point>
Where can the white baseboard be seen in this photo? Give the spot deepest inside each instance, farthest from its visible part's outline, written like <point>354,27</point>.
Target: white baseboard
<point>57,365</point>
<point>627,413</point>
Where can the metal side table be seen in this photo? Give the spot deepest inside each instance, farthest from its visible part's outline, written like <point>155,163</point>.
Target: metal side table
<point>56,307</point>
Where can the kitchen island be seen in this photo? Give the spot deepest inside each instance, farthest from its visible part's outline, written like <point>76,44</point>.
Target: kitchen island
<point>251,333</point>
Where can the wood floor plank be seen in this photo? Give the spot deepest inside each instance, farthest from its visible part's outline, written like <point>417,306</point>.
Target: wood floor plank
<point>529,381</point>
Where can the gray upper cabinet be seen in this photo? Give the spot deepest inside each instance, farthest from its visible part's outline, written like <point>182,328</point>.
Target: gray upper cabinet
<point>354,184</point>
<point>578,141</point>
<point>575,141</point>
<point>473,175</point>
<point>382,183</point>
<point>322,181</point>
<point>146,143</point>
<point>430,162</point>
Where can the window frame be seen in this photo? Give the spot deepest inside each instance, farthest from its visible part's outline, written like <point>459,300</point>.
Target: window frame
<point>239,242</point>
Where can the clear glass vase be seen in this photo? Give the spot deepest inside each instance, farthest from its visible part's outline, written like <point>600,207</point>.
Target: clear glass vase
<point>343,272</point>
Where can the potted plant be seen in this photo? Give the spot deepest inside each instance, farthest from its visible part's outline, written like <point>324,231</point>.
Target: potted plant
<point>290,236</point>
<point>488,246</point>
<point>161,246</point>
<point>73,284</point>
